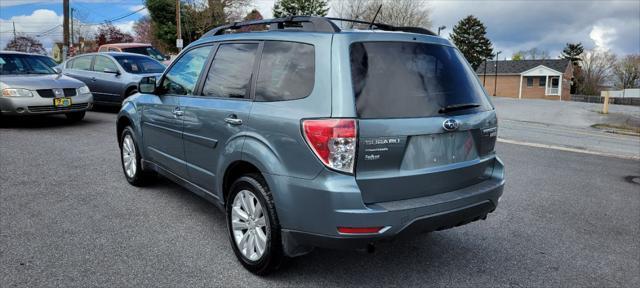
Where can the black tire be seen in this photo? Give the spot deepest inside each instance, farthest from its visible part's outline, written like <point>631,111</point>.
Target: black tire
<point>75,116</point>
<point>140,177</point>
<point>131,92</point>
<point>273,256</point>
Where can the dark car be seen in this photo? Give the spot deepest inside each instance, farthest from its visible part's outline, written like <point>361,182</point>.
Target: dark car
<point>308,135</point>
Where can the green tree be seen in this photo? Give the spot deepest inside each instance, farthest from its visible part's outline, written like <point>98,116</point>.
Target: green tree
<point>573,51</point>
<point>469,35</point>
<point>283,8</point>
<point>517,56</point>
<point>163,18</point>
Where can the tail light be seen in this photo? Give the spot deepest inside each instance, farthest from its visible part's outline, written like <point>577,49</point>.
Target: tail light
<point>333,141</point>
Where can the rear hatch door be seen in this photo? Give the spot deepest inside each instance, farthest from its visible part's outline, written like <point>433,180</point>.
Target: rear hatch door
<point>425,124</point>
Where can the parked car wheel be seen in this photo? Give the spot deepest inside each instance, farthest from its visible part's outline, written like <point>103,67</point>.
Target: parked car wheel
<point>254,230</point>
<point>131,160</point>
<point>75,116</point>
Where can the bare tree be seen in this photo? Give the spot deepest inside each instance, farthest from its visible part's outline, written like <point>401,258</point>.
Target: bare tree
<point>597,67</point>
<point>80,29</point>
<point>24,43</point>
<point>142,30</point>
<point>626,72</point>
<point>394,12</point>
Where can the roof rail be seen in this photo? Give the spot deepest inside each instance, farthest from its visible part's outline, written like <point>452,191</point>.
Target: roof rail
<point>386,27</point>
<point>311,24</point>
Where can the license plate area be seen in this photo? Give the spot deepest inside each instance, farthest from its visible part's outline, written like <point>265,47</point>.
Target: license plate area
<point>424,151</point>
<point>62,102</point>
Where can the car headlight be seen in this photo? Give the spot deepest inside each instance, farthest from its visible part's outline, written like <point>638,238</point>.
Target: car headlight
<point>83,90</point>
<point>17,92</point>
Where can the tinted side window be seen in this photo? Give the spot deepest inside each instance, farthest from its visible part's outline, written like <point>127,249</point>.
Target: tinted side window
<point>102,63</point>
<point>230,74</point>
<point>82,63</point>
<point>183,75</point>
<point>287,71</point>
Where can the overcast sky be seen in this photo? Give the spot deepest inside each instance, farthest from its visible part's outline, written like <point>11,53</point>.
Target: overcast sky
<point>511,25</point>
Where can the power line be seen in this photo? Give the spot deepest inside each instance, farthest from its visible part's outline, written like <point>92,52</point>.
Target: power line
<point>114,19</point>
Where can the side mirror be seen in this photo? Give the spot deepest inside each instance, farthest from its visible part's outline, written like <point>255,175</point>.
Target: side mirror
<point>147,85</point>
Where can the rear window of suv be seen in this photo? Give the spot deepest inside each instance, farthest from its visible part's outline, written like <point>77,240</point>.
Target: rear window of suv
<point>407,80</point>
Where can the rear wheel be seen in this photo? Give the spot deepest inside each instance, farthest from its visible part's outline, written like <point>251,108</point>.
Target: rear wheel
<point>131,160</point>
<point>253,227</point>
<point>75,116</point>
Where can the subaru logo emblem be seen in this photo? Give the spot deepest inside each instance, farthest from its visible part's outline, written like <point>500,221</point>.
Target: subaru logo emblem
<point>450,125</point>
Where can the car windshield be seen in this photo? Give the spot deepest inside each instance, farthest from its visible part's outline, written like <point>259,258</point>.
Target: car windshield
<point>149,51</point>
<point>139,65</point>
<point>14,64</point>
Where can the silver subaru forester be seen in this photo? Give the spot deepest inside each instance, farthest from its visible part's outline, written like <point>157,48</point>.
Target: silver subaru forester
<point>30,86</point>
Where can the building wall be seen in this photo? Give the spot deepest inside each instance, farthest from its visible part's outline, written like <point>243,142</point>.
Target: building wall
<point>536,91</point>
<point>507,85</point>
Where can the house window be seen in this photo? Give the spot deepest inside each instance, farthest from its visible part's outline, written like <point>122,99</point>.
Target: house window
<point>543,81</point>
<point>529,81</point>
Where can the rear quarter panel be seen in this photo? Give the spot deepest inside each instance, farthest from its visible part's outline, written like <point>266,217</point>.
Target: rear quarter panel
<point>273,138</point>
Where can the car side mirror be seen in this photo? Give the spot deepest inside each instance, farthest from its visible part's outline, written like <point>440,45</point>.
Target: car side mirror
<point>147,85</point>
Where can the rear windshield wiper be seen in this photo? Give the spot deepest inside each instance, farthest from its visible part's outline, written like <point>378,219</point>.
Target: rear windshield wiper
<point>456,107</point>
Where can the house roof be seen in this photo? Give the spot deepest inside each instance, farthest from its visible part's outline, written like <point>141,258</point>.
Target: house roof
<point>519,66</point>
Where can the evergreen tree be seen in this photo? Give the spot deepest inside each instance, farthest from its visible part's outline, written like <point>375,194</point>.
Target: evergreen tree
<point>573,52</point>
<point>469,35</point>
<point>283,8</point>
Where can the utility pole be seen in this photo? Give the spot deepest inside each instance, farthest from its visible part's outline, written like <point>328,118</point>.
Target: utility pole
<point>14,30</point>
<point>495,83</point>
<point>72,40</point>
<point>178,28</point>
<point>65,29</point>
<point>484,77</point>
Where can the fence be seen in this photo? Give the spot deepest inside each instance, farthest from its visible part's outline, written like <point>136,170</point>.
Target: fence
<point>600,99</point>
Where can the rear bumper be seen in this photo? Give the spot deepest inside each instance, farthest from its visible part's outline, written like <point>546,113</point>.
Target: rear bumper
<point>325,210</point>
<point>37,105</point>
<point>298,241</point>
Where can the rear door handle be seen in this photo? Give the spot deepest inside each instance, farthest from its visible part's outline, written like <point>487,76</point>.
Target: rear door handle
<point>233,120</point>
<point>177,112</point>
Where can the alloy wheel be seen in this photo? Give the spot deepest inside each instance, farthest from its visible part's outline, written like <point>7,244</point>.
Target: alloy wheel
<point>249,225</point>
<point>129,156</point>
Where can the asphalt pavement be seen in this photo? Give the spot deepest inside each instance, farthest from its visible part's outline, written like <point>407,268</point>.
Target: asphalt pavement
<point>569,125</point>
<point>68,218</point>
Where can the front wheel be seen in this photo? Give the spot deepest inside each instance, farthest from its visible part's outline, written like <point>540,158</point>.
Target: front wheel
<point>75,116</point>
<point>253,227</point>
<point>131,160</point>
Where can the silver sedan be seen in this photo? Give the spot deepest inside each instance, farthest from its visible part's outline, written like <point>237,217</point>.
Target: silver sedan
<point>111,76</point>
<point>30,86</point>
